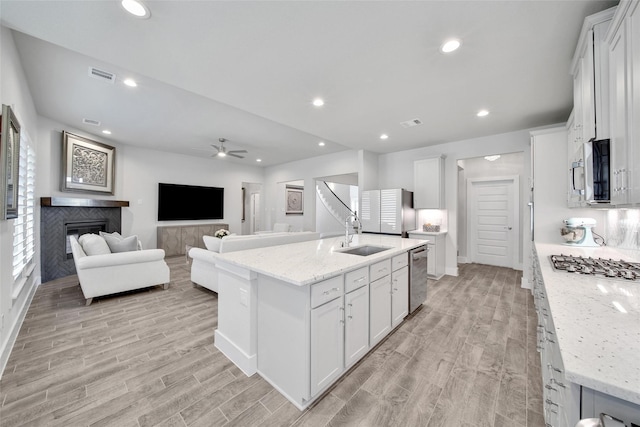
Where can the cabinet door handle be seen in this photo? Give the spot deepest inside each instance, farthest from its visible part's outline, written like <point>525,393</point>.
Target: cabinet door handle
<point>341,314</point>
<point>359,280</point>
<point>350,310</point>
<point>331,290</point>
<point>550,366</point>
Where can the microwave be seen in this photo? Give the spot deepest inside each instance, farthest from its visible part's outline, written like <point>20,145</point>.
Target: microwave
<point>590,176</point>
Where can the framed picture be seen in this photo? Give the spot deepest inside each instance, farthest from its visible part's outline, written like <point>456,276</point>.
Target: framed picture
<point>294,198</point>
<point>9,163</point>
<point>87,166</point>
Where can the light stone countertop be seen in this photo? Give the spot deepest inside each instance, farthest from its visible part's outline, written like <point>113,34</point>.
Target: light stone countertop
<point>308,262</point>
<point>428,233</point>
<point>599,344</point>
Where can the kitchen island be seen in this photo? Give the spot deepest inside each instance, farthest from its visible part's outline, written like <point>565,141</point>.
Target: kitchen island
<point>589,338</point>
<point>302,314</point>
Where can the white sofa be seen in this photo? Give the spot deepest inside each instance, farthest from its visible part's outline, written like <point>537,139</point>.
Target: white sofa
<point>203,268</point>
<point>111,273</point>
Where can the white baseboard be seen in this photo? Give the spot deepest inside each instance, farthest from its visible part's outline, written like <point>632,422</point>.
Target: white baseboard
<point>247,363</point>
<point>463,260</point>
<point>451,271</point>
<point>7,346</point>
<point>524,283</point>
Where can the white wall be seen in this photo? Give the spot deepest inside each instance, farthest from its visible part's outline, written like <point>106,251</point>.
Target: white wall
<point>296,221</point>
<point>344,162</point>
<point>138,172</point>
<point>396,171</point>
<point>15,93</point>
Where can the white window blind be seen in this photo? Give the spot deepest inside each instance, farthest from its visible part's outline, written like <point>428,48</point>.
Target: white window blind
<point>23,225</point>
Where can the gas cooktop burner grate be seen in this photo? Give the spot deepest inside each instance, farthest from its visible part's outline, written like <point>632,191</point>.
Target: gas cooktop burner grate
<point>596,266</point>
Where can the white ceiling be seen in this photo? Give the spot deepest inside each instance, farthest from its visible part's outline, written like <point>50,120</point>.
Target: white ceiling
<point>248,71</point>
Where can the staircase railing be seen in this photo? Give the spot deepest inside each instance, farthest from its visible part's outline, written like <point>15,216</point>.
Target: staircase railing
<point>338,209</point>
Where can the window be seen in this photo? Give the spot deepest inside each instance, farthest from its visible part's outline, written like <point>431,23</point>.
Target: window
<point>23,225</point>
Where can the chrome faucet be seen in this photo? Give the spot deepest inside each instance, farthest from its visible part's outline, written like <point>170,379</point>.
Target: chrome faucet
<point>347,237</point>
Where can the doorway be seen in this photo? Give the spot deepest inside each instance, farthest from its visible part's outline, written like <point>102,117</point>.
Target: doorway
<point>493,221</point>
<point>251,208</point>
<point>483,170</point>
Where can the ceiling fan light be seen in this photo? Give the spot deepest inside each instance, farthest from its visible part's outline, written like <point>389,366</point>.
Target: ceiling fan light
<point>222,154</point>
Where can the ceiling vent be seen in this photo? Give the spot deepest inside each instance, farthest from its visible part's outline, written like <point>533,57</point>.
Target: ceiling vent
<point>411,123</point>
<point>91,122</point>
<point>105,76</point>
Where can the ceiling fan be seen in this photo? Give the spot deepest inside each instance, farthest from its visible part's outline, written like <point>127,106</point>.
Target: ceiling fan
<point>222,152</point>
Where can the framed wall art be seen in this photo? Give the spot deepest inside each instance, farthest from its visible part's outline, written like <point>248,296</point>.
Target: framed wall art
<point>9,163</point>
<point>87,166</point>
<point>294,198</point>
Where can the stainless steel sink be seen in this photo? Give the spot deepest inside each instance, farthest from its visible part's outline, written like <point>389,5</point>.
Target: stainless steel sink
<point>364,250</point>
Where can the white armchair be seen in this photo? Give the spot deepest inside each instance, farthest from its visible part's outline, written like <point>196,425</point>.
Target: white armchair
<point>111,273</point>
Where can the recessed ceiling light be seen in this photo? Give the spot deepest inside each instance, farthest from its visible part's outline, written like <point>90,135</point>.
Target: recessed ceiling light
<point>318,102</point>
<point>130,83</point>
<point>384,136</point>
<point>450,45</point>
<point>321,143</point>
<point>492,158</point>
<point>106,132</point>
<point>136,8</point>
<point>258,160</point>
<point>483,113</point>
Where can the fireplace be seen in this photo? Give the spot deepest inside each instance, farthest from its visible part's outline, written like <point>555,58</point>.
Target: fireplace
<point>61,217</point>
<point>78,228</point>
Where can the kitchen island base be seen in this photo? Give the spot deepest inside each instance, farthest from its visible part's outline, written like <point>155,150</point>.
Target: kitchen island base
<point>302,337</point>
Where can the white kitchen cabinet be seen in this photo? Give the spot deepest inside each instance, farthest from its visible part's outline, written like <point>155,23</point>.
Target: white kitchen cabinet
<point>624,53</point>
<point>437,246</point>
<point>327,344</point>
<point>379,309</point>
<point>399,296</point>
<point>561,398</point>
<point>356,328</point>
<point>590,72</point>
<point>428,183</point>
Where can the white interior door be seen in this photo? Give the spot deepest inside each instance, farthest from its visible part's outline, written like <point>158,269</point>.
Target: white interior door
<point>255,213</point>
<point>493,221</point>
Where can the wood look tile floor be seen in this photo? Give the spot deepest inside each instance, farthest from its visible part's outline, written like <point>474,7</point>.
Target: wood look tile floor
<point>146,358</point>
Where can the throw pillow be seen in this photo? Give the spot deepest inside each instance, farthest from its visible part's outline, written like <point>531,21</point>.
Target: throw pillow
<point>92,244</point>
<point>114,234</point>
<point>212,243</point>
<point>121,244</point>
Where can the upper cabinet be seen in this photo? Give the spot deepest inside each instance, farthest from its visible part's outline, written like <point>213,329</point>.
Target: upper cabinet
<point>623,41</point>
<point>590,69</point>
<point>428,175</point>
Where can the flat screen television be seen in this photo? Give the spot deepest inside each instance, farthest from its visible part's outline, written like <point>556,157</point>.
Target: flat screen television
<point>186,202</point>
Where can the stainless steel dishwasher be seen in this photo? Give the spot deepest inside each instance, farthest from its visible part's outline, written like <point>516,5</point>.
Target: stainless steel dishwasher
<point>417,277</point>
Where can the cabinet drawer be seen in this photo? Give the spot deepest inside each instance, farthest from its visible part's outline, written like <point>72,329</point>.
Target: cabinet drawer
<point>356,279</point>
<point>399,261</point>
<point>379,269</point>
<point>326,291</point>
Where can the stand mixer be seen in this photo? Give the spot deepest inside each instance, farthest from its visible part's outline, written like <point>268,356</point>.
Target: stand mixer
<point>577,232</point>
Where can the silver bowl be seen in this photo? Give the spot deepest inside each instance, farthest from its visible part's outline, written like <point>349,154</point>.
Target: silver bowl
<point>572,235</point>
